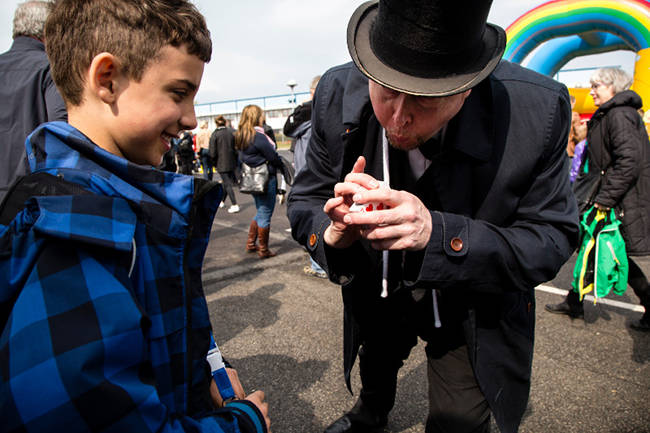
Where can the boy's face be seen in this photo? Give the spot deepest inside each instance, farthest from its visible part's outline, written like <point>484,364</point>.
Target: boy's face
<point>149,113</point>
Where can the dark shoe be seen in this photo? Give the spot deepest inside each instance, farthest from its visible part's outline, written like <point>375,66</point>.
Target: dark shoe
<point>576,312</point>
<point>263,238</point>
<point>252,237</point>
<point>643,324</point>
<point>349,424</point>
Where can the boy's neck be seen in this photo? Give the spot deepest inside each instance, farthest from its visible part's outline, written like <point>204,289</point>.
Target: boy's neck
<point>91,125</point>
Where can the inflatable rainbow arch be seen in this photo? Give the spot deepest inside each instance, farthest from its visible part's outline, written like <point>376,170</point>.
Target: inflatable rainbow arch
<point>565,29</point>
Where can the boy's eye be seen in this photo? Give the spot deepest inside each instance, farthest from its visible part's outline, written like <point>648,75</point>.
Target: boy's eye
<point>180,93</point>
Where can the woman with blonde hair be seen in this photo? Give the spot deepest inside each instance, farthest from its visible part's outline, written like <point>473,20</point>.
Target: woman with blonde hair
<point>256,148</point>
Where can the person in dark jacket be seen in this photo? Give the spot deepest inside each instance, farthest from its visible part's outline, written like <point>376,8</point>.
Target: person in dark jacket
<point>224,157</point>
<point>29,96</point>
<point>103,317</point>
<point>477,208</point>
<point>615,173</point>
<point>298,127</point>
<point>185,152</point>
<point>256,148</point>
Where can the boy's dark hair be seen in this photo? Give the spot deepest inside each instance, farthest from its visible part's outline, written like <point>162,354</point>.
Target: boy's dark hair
<point>220,120</point>
<point>132,30</point>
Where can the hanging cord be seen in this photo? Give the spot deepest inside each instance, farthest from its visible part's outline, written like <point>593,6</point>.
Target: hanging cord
<point>384,276</point>
<point>384,253</point>
<point>132,258</point>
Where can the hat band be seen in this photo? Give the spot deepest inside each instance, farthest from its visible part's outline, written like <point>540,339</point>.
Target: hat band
<point>418,63</point>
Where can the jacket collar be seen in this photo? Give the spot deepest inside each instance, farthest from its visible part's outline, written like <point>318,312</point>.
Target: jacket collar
<point>27,43</point>
<point>476,142</point>
<point>57,145</point>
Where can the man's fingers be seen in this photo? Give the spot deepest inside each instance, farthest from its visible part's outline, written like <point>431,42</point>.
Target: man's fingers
<point>359,165</point>
<point>362,179</point>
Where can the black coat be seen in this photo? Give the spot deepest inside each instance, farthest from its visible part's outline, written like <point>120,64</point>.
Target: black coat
<point>502,187</point>
<point>618,150</point>
<point>222,149</point>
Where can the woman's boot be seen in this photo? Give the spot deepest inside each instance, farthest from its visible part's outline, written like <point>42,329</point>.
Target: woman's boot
<point>252,237</point>
<point>263,250</point>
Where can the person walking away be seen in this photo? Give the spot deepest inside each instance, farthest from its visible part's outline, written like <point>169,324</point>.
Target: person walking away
<point>469,220</point>
<point>223,155</point>
<point>104,316</point>
<point>203,147</point>
<point>615,174</point>
<point>256,148</point>
<point>29,96</point>
<point>298,127</point>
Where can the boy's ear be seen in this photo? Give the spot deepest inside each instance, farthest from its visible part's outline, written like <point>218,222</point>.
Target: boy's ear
<point>103,77</point>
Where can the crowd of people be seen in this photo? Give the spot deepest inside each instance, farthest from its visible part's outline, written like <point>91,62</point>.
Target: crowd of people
<point>425,185</point>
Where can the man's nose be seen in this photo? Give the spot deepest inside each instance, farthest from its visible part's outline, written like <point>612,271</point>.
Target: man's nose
<point>401,110</point>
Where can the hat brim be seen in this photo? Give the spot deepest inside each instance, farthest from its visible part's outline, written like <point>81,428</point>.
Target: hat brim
<point>494,40</point>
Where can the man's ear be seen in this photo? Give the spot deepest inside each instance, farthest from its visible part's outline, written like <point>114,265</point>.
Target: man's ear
<point>103,77</point>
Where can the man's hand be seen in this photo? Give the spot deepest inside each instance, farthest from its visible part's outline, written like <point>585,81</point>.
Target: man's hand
<point>340,234</point>
<point>405,225</point>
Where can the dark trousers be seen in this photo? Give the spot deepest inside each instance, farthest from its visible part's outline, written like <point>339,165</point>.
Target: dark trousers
<point>228,180</point>
<point>206,164</point>
<point>456,404</point>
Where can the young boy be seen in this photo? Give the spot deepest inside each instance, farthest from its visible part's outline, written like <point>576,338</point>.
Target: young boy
<point>103,321</point>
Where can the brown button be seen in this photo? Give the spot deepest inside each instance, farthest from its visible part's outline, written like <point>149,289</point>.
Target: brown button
<point>312,240</point>
<point>456,244</point>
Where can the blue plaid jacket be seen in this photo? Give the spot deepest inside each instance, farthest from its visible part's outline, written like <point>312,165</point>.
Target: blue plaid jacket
<point>103,319</point>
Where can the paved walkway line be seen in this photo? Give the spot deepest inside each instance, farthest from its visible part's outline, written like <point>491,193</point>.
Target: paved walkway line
<point>610,302</point>
<point>276,235</point>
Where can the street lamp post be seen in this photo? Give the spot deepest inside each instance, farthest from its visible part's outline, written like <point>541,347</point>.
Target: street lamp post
<point>292,84</point>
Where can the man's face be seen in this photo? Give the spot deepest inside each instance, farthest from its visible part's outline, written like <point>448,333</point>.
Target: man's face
<point>410,120</point>
<point>158,107</point>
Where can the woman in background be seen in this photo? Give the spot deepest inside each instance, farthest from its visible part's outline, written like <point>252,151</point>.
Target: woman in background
<point>256,148</point>
<point>615,173</point>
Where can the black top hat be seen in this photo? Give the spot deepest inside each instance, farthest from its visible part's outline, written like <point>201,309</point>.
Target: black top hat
<point>425,47</point>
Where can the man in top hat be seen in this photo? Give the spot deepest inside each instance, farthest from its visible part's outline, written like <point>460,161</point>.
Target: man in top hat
<point>474,211</point>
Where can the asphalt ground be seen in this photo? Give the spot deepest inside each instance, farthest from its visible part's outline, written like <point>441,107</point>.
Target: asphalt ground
<point>282,330</point>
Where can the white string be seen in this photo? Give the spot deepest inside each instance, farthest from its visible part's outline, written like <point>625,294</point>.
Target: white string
<point>384,255</point>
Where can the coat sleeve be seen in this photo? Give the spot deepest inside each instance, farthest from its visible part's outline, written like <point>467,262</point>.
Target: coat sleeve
<point>74,352</point>
<point>625,150</point>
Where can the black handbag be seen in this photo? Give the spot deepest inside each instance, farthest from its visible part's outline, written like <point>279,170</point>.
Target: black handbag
<point>254,180</point>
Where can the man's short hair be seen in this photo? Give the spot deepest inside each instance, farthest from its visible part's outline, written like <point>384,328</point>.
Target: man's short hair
<point>29,18</point>
<point>132,30</point>
<point>615,77</point>
<point>314,82</point>
<point>220,121</point>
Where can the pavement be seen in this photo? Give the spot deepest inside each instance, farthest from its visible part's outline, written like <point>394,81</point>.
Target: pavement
<point>282,330</point>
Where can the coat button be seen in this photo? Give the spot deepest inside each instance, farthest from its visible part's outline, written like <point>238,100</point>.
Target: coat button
<point>312,240</point>
<point>456,244</point>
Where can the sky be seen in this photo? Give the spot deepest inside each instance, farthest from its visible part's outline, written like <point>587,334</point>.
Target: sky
<point>260,45</point>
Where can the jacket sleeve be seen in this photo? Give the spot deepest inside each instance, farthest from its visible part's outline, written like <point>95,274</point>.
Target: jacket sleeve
<point>625,150</point>
<point>75,351</point>
<point>300,115</point>
<point>212,149</point>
